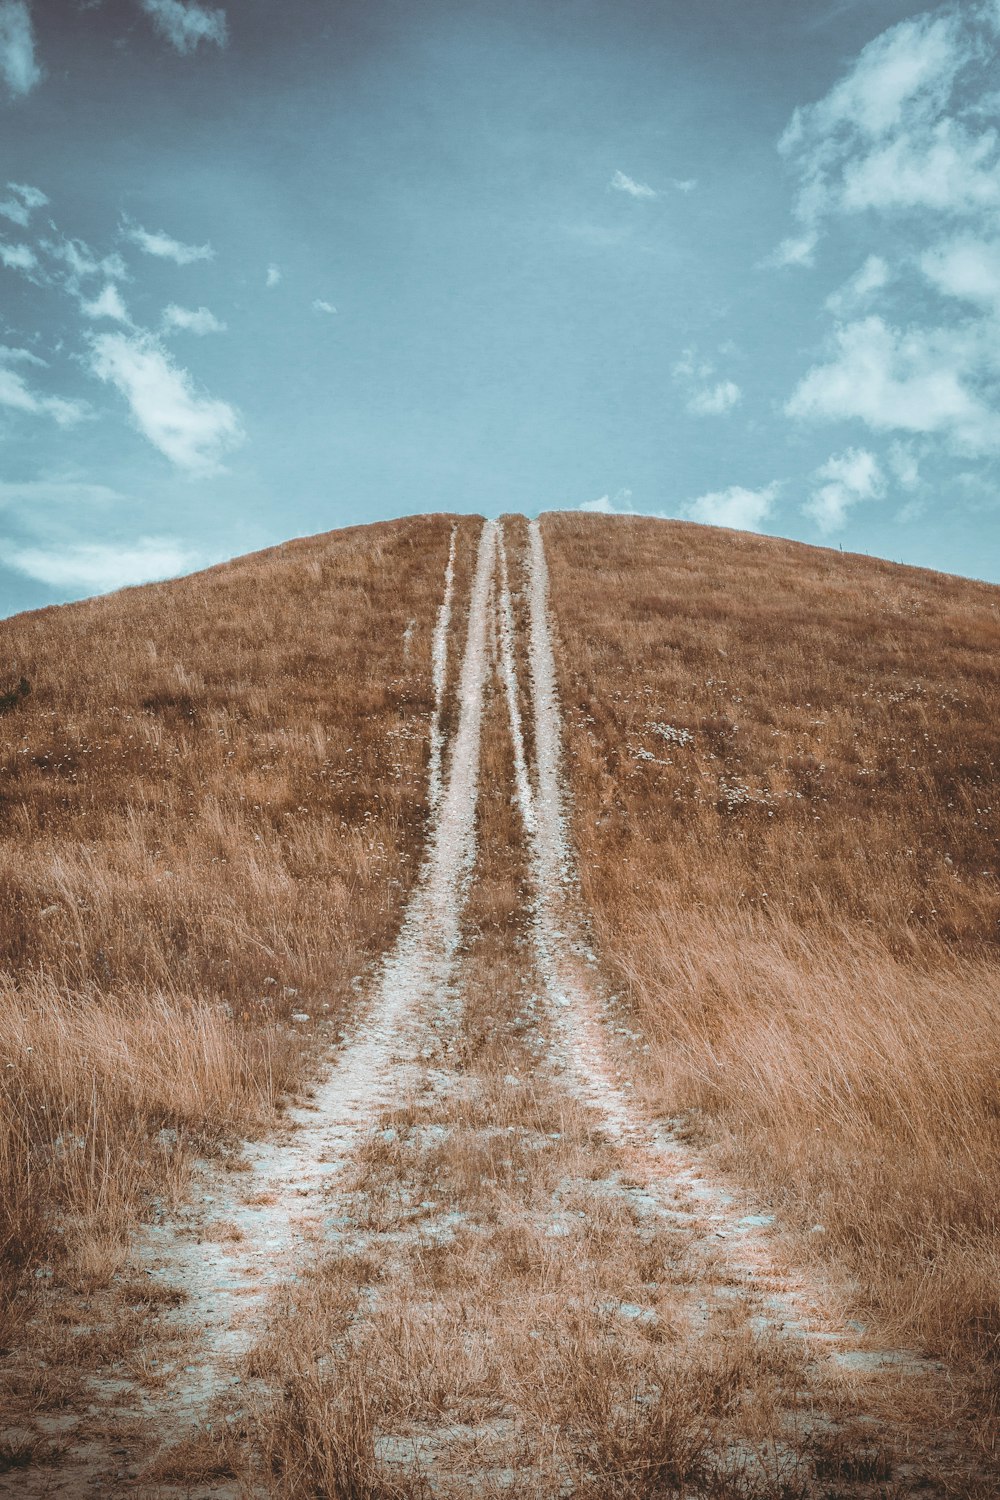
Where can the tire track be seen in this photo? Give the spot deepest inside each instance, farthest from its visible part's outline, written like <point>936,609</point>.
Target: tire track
<point>439,675</point>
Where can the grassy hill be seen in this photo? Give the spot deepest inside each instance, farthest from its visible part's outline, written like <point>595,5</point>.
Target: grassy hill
<point>213,804</point>
<point>784,764</point>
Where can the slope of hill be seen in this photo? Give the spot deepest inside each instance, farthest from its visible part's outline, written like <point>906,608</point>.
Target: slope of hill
<point>213,801</point>
<point>784,765</point>
<point>335,1170</point>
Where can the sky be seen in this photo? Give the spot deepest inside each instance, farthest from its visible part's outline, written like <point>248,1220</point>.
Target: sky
<point>273,268</point>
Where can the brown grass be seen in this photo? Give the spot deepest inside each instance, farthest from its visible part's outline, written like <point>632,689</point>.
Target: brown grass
<point>783,761</point>
<point>502,1315</point>
<point>213,805</point>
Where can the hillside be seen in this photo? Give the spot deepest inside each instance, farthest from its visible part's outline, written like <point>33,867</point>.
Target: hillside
<point>502,1008</point>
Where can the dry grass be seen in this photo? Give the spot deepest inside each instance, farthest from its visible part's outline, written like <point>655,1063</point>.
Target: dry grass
<point>783,761</point>
<point>504,1316</point>
<point>213,806</point>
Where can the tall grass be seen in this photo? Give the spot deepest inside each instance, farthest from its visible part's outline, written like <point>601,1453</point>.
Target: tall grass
<point>783,761</point>
<point>212,807</point>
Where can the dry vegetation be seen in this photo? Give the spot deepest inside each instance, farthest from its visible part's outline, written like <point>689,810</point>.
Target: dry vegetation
<point>783,761</point>
<point>212,795</point>
<point>505,1314</point>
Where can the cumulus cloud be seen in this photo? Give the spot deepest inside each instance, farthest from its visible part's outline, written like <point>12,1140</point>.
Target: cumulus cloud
<point>101,567</point>
<point>192,430</point>
<point>844,480</point>
<point>17,395</point>
<point>165,247</point>
<point>706,397</point>
<point>742,509</point>
<point>966,268</point>
<point>197,320</point>
<point>320,305</point>
<point>628,185</point>
<point>108,304</point>
<point>273,275</point>
<point>18,67</point>
<point>22,201</point>
<point>18,257</point>
<point>858,289</point>
<point>185,23</point>
<point>895,133</point>
<point>913,380</point>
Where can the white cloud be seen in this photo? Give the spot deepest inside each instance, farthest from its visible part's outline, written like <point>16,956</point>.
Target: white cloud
<point>321,306</point>
<point>166,247</point>
<point>18,257</point>
<point>706,397</point>
<point>108,304</point>
<point>904,465</point>
<point>273,275</point>
<point>966,268</point>
<point>197,320</point>
<point>915,380</point>
<point>869,278</point>
<point>623,184</point>
<point>17,395</point>
<point>715,400</point>
<point>742,509</point>
<point>81,262</point>
<point>23,199</point>
<point>9,356</point>
<point>18,66</point>
<point>36,497</point>
<point>100,567</point>
<point>883,138</point>
<point>185,23</point>
<point>846,479</point>
<point>798,250</point>
<point>621,505</point>
<point>191,430</point>
<point>684,184</point>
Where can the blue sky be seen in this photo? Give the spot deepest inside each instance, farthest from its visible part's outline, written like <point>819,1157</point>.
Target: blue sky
<point>269,269</point>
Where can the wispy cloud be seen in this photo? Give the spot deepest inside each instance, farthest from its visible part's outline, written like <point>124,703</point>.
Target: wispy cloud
<point>273,276</point>
<point>18,257</point>
<point>81,262</point>
<point>17,395</point>
<point>320,305</point>
<point>11,356</point>
<point>706,396</point>
<point>197,320</point>
<point>100,567</point>
<point>628,185</point>
<point>18,66</point>
<point>857,290</point>
<point>192,430</point>
<point>108,304</point>
<point>165,247</point>
<point>185,23</point>
<point>843,481</point>
<point>22,201</point>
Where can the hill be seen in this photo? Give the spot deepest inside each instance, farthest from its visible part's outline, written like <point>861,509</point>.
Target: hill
<point>502,1007</point>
